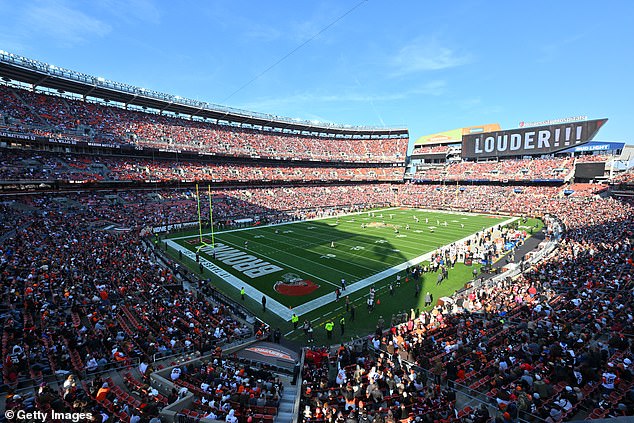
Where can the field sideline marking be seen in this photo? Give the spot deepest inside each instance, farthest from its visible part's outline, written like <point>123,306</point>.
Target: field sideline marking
<point>284,312</point>
<point>427,243</point>
<point>363,283</point>
<point>336,310</point>
<point>281,263</point>
<point>289,223</point>
<point>271,304</point>
<point>324,249</point>
<point>287,252</point>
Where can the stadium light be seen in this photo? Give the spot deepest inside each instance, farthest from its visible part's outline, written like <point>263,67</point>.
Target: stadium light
<point>101,79</point>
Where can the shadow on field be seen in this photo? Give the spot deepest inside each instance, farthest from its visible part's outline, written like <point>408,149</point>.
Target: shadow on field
<point>307,253</point>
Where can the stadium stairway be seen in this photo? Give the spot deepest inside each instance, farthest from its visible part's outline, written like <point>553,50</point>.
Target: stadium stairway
<point>530,245</point>
<point>286,411</point>
<point>30,107</point>
<point>568,178</point>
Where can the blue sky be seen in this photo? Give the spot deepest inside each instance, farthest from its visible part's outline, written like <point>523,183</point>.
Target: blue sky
<point>430,66</point>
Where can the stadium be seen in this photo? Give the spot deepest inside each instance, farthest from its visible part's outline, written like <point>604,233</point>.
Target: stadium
<point>167,259</point>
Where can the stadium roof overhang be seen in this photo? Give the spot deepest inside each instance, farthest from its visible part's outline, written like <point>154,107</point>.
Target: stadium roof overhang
<point>40,74</point>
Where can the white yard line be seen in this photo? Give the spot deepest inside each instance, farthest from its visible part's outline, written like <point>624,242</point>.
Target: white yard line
<point>272,305</point>
<point>432,245</point>
<point>363,283</point>
<point>294,247</point>
<point>279,262</point>
<point>288,223</point>
<point>283,311</point>
<point>339,242</point>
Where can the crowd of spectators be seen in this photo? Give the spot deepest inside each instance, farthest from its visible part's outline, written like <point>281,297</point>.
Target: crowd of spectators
<point>506,199</point>
<point>172,206</point>
<point>77,300</point>
<point>10,107</point>
<point>20,165</point>
<point>226,387</point>
<point>522,200</point>
<point>532,200</point>
<point>43,166</point>
<point>49,114</point>
<point>584,189</point>
<point>512,170</point>
<point>592,158</point>
<point>625,178</point>
<point>355,385</point>
<point>548,345</point>
<point>99,400</point>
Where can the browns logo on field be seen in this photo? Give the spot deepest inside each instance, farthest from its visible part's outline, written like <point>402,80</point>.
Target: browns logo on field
<point>294,286</point>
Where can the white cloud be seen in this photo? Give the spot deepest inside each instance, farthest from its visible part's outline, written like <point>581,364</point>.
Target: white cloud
<point>423,55</point>
<point>307,99</point>
<point>553,51</point>
<point>434,88</point>
<point>131,10</point>
<point>61,23</point>
<point>305,30</point>
<point>262,33</point>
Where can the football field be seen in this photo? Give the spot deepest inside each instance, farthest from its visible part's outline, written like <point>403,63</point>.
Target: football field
<point>298,266</point>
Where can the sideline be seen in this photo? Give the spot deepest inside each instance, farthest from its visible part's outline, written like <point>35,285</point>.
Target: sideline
<point>363,283</point>
<point>283,311</point>
<point>270,225</point>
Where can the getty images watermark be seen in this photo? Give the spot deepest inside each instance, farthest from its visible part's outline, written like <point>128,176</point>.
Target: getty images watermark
<point>45,416</point>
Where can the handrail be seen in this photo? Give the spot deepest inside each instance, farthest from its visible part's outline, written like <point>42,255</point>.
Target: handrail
<point>129,362</point>
<point>166,355</point>
<point>298,396</point>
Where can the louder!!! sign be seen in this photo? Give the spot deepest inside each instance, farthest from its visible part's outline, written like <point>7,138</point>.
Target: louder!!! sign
<point>529,141</point>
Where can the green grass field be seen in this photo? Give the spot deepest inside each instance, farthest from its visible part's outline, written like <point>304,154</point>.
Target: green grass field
<point>303,251</point>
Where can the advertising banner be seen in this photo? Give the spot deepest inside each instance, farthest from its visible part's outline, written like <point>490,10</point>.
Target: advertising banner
<point>529,141</point>
<point>455,135</point>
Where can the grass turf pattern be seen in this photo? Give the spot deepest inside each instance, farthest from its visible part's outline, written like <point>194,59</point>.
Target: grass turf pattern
<point>364,244</point>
